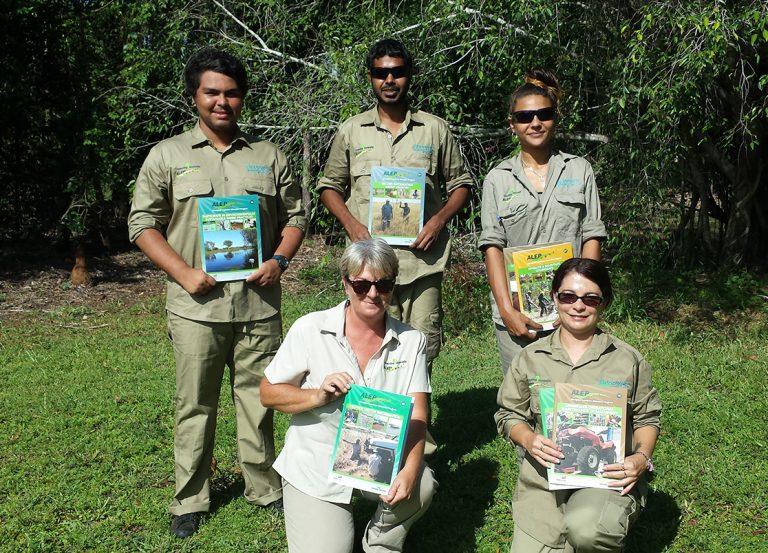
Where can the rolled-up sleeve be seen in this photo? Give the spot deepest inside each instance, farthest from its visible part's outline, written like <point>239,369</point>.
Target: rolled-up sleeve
<point>291,207</point>
<point>646,403</point>
<point>593,226</point>
<point>151,206</point>
<point>514,399</point>
<point>336,172</point>
<point>454,172</point>
<point>492,233</point>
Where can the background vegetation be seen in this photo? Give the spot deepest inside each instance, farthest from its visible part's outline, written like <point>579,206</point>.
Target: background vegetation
<point>667,99</point>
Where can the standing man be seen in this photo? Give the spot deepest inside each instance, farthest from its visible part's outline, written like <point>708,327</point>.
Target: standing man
<point>212,324</point>
<point>393,134</point>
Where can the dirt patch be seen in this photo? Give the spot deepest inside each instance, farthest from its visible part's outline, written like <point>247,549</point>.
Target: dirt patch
<point>31,284</point>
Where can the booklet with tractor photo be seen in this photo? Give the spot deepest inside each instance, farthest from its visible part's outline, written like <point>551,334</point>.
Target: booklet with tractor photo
<point>230,236</point>
<point>588,423</point>
<point>547,406</point>
<point>396,204</point>
<point>529,271</point>
<point>369,444</point>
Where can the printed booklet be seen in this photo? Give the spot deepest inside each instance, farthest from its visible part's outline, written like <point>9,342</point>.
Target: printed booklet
<point>530,270</point>
<point>230,236</point>
<point>396,204</point>
<point>371,438</point>
<point>588,423</point>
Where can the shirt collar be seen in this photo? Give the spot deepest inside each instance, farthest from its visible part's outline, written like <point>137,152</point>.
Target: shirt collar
<point>372,118</point>
<point>199,139</point>
<point>601,343</point>
<point>334,323</point>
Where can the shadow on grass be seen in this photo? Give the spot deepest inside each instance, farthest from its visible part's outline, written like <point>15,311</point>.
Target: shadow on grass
<point>225,489</point>
<point>657,526</point>
<point>464,422</point>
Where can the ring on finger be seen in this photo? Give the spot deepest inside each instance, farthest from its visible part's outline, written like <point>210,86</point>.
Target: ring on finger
<point>625,474</point>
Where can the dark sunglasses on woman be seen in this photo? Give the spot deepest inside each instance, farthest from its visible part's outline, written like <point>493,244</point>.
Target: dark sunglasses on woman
<point>527,115</point>
<point>590,300</point>
<point>361,287</point>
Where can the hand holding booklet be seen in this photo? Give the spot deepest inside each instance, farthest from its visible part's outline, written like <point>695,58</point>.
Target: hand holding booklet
<point>369,444</point>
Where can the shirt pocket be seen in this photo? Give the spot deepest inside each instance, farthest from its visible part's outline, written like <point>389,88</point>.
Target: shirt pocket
<point>512,214</point>
<point>361,180</point>
<point>571,207</point>
<point>263,185</point>
<point>189,188</point>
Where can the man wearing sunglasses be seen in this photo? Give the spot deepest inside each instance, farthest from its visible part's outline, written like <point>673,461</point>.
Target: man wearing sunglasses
<point>395,134</point>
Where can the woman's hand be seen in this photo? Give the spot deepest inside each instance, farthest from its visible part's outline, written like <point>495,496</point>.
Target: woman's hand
<point>626,473</point>
<point>333,387</point>
<point>545,451</point>
<point>402,488</point>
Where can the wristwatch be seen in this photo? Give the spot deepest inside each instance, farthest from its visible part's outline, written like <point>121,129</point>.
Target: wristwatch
<point>282,262</point>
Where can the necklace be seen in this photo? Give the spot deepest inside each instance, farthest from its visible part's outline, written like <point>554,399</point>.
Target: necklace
<point>542,178</point>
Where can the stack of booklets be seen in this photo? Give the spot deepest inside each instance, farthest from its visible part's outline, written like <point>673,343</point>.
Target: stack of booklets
<point>396,204</point>
<point>588,423</point>
<point>529,271</point>
<point>230,236</point>
<point>369,444</point>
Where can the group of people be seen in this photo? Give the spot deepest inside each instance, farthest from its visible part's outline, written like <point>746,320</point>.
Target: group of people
<point>386,334</point>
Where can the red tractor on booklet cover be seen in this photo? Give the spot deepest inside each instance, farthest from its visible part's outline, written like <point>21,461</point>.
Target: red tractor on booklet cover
<point>583,450</point>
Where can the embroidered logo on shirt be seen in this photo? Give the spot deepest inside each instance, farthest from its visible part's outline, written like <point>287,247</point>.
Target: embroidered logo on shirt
<point>425,149</point>
<point>565,183</point>
<point>393,365</point>
<point>614,383</point>
<point>362,149</point>
<point>537,381</point>
<point>258,169</point>
<point>508,196</point>
<point>187,169</point>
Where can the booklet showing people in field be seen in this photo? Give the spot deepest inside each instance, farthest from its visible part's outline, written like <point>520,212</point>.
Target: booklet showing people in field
<point>396,206</point>
<point>230,236</point>
<point>588,423</point>
<point>370,441</point>
<point>530,270</point>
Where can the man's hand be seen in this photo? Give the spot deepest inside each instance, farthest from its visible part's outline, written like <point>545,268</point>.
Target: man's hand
<point>269,273</point>
<point>519,325</point>
<point>429,233</point>
<point>196,282</point>
<point>357,231</point>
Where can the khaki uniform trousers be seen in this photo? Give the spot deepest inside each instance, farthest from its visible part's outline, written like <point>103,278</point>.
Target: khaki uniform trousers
<point>420,304</point>
<point>510,346</point>
<point>595,521</point>
<point>316,526</point>
<point>202,349</point>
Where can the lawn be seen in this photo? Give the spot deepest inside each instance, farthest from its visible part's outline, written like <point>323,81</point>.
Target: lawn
<point>86,425</point>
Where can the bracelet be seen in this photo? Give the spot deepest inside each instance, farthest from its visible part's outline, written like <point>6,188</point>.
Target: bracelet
<point>648,461</point>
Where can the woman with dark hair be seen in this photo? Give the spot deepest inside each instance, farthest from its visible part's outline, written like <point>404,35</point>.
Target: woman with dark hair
<point>322,355</point>
<point>540,195</point>
<point>578,352</point>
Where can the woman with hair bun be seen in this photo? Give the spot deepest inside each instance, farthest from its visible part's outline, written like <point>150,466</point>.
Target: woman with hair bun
<point>540,195</point>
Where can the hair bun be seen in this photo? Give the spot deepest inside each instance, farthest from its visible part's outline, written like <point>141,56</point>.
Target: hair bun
<point>544,78</point>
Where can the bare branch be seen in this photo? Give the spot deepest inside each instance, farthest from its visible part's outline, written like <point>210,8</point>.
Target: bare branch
<point>267,49</point>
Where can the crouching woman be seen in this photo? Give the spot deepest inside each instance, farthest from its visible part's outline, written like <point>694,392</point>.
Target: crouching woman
<point>322,355</point>
<point>578,352</point>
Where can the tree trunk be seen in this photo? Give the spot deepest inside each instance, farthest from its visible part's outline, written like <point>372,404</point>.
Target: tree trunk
<point>80,275</point>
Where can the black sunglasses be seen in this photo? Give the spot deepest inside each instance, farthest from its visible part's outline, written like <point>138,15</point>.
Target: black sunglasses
<point>527,115</point>
<point>590,300</point>
<point>361,287</point>
<point>397,72</point>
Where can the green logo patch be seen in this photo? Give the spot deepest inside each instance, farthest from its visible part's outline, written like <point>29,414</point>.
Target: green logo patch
<point>394,364</point>
<point>258,169</point>
<point>187,169</point>
<point>425,149</point>
<point>362,150</point>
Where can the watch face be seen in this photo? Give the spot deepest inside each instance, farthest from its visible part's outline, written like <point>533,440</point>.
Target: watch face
<point>282,261</point>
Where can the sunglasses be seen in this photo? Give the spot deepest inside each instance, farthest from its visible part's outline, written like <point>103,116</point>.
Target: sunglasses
<point>397,72</point>
<point>361,287</point>
<point>590,300</point>
<point>527,115</point>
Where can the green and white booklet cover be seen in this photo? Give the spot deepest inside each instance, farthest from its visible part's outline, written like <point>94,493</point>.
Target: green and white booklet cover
<point>369,444</point>
<point>230,236</point>
<point>396,204</point>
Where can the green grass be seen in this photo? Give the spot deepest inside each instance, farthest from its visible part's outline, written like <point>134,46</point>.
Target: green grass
<point>86,428</point>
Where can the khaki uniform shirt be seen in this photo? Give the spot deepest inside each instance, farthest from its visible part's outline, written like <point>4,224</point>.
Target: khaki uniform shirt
<point>183,168</point>
<point>424,141</point>
<point>316,346</point>
<point>607,362</point>
<point>514,214</point>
